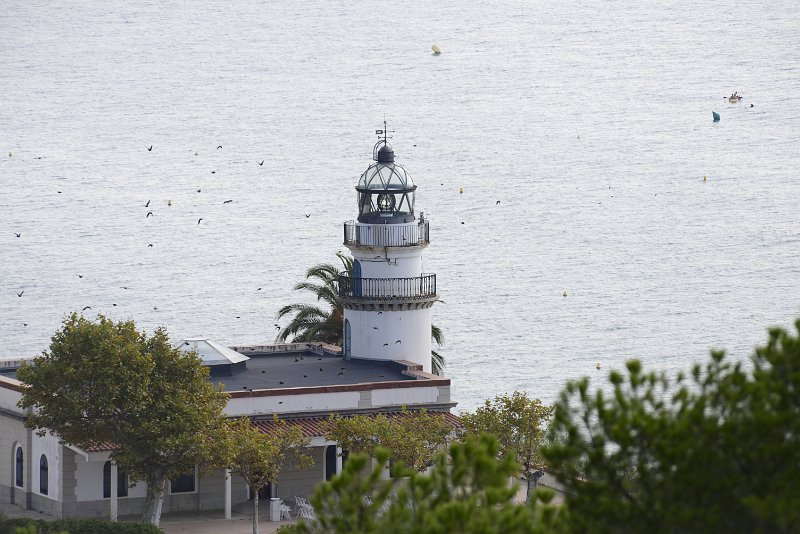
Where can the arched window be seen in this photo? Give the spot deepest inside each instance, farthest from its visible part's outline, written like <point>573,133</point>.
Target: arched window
<point>43,475</point>
<point>330,462</point>
<point>122,482</point>
<point>19,468</point>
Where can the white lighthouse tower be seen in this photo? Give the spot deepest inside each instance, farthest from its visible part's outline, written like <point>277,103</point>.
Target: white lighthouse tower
<point>387,299</point>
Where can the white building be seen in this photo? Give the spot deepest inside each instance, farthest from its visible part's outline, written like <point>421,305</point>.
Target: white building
<point>384,367</point>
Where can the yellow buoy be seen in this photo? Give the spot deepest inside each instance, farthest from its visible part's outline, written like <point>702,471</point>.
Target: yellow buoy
<point>597,365</point>
<point>564,294</point>
<point>461,190</point>
<point>169,203</point>
<point>436,50</point>
<point>705,178</point>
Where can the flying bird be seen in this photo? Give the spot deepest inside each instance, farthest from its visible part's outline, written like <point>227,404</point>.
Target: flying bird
<point>150,148</point>
<point>148,204</point>
<point>86,308</point>
<point>220,146</point>
<point>199,190</point>
<point>213,172</point>
<point>227,201</point>
<point>497,203</point>
<point>149,213</point>
<point>339,374</point>
<point>320,369</point>
<point>198,220</point>
<point>80,276</point>
<point>260,163</point>
<point>398,341</point>
<point>380,313</point>
<point>385,344</point>
<point>18,235</point>
<point>280,382</point>
<point>149,245</point>
<point>307,215</point>
<point>20,293</point>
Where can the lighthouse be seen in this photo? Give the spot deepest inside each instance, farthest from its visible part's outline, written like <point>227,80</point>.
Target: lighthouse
<point>386,297</point>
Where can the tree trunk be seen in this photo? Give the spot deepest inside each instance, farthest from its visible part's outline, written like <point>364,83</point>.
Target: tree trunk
<point>255,512</point>
<point>153,500</point>
<point>532,478</point>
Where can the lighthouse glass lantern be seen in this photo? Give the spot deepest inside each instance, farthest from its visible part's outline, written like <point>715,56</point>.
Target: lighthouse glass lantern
<point>385,190</point>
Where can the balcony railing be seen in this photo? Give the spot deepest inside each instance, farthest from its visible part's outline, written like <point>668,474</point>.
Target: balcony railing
<point>386,235</point>
<point>418,288</point>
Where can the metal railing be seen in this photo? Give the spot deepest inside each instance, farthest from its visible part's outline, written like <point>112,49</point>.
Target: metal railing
<point>418,288</point>
<point>386,235</point>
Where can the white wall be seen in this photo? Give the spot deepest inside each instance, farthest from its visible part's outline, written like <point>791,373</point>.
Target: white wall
<point>90,482</point>
<point>292,403</point>
<point>9,397</point>
<point>49,446</point>
<point>374,336</point>
<point>393,262</point>
<point>400,396</point>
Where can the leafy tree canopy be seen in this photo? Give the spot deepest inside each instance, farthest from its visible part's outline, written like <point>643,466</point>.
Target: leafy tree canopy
<point>519,423</point>
<point>717,450</point>
<point>103,381</point>
<point>466,491</point>
<point>412,438</point>
<point>259,457</point>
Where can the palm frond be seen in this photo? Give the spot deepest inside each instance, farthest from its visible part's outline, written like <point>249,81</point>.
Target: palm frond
<point>437,363</point>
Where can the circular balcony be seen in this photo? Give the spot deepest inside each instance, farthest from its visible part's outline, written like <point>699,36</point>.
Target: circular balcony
<point>386,235</point>
<point>419,288</point>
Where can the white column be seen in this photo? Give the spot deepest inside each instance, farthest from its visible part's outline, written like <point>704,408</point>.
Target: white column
<point>113,499</point>
<point>227,474</point>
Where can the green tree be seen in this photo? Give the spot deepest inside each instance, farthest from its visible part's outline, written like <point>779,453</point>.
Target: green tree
<point>310,322</point>
<point>466,491</point>
<point>103,381</point>
<point>520,425</point>
<point>716,450</point>
<point>411,438</point>
<point>259,457</point>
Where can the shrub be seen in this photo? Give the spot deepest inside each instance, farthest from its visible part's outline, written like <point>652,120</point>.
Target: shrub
<point>76,526</point>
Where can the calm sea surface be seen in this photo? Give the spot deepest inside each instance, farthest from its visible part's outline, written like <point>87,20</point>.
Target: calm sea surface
<point>590,122</point>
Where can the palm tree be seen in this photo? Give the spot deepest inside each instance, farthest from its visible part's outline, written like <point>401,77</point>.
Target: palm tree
<point>314,323</point>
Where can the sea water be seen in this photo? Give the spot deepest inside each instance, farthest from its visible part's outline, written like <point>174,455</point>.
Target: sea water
<point>580,134</point>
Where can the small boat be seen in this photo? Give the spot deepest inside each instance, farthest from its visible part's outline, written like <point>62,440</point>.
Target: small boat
<point>734,98</point>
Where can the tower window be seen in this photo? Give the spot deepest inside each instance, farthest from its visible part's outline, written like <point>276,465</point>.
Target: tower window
<point>43,475</point>
<point>19,468</point>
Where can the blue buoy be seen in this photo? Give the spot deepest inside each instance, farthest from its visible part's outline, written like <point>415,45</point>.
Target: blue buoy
<point>715,115</point>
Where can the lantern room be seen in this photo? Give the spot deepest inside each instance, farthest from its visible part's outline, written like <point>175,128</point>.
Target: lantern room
<point>385,190</point>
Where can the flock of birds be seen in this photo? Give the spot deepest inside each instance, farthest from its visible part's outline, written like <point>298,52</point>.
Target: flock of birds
<point>151,212</point>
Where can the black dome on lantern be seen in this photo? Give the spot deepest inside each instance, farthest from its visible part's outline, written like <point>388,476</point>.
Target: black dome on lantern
<point>386,154</point>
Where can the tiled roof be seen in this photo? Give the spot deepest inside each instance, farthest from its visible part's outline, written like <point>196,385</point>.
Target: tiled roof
<point>311,427</point>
